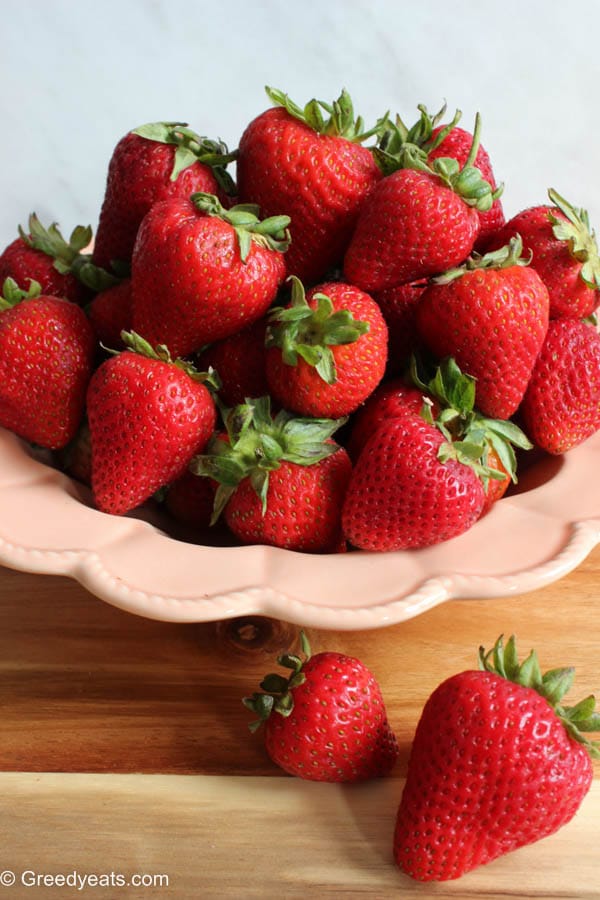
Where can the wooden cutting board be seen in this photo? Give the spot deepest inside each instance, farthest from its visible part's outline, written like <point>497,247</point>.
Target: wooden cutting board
<point>125,748</point>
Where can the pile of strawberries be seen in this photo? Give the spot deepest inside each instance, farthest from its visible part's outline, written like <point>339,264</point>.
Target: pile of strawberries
<point>345,347</point>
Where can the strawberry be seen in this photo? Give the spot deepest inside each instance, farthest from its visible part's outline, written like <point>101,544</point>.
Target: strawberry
<point>76,458</point>
<point>418,221</point>
<point>327,351</point>
<point>390,400</point>
<point>497,763</point>
<point>282,480</point>
<point>201,272</point>
<point>153,163</point>
<point>561,406</point>
<point>436,141</point>
<point>60,267</point>
<point>190,500</point>
<point>407,489</point>
<point>313,169</point>
<point>327,721</point>
<point>563,252</point>
<point>46,354</point>
<point>398,306</point>
<point>240,361</point>
<point>110,313</point>
<point>491,315</point>
<point>148,415</point>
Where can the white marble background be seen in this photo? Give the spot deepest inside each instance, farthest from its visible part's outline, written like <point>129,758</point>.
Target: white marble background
<point>78,74</point>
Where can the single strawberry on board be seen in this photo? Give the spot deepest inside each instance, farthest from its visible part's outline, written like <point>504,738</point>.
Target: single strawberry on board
<point>281,479</point>
<point>327,720</point>
<point>561,406</point>
<point>563,251</point>
<point>491,316</point>
<point>201,272</point>
<point>418,221</point>
<point>498,762</point>
<point>47,350</point>
<point>152,163</point>
<point>62,268</point>
<point>148,415</point>
<point>326,351</point>
<point>438,139</point>
<point>313,168</point>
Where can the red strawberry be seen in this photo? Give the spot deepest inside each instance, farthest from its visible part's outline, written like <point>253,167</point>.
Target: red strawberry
<point>398,306</point>
<point>60,267</point>
<point>391,400</point>
<point>240,361</point>
<point>110,314</point>
<point>439,141</point>
<point>491,315</point>
<point>76,458</point>
<point>497,763</point>
<point>327,721</point>
<point>282,480</point>
<point>46,354</point>
<point>563,252</point>
<point>153,163</point>
<point>148,416</point>
<point>327,351</point>
<point>404,493</point>
<point>561,406</point>
<point>200,272</point>
<point>190,499</point>
<point>418,221</point>
<point>293,161</point>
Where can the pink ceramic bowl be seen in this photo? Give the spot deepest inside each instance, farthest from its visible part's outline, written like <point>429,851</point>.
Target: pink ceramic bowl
<point>536,535</point>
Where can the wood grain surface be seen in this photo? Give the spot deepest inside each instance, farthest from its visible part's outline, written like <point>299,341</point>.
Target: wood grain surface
<point>86,688</point>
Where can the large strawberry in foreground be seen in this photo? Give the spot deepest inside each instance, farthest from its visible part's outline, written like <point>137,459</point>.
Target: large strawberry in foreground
<point>148,415</point>
<point>201,272</point>
<point>327,721</point>
<point>498,762</point>
<point>47,349</point>
<point>314,169</point>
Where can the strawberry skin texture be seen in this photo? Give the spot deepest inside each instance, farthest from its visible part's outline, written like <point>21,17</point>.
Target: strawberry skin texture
<point>398,306</point>
<point>47,349</point>
<point>570,296</point>
<point>139,175</point>
<point>491,769</point>
<point>360,365</point>
<point>239,361</point>
<point>390,400</point>
<point>304,506</point>
<point>25,264</point>
<point>190,286</point>
<point>402,497</point>
<point>410,227</point>
<point>561,407</point>
<point>457,145</point>
<point>147,419</point>
<point>493,322</point>
<point>110,314</point>
<point>338,729</point>
<point>320,181</point>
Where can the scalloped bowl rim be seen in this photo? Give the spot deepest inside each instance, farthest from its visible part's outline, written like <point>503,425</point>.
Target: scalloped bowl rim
<point>529,539</point>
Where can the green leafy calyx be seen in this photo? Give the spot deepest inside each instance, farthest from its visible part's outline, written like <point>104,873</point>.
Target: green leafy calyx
<point>245,219</point>
<point>339,120</point>
<point>137,344</point>
<point>300,330</point>
<point>67,255</point>
<point>579,236</point>
<point>399,144</point>
<point>505,257</point>
<point>276,693</point>
<point>257,443</point>
<point>553,685</point>
<point>12,294</point>
<point>192,148</point>
<point>470,436</point>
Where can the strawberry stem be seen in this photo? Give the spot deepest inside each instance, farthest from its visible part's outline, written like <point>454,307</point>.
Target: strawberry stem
<point>276,693</point>
<point>244,219</point>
